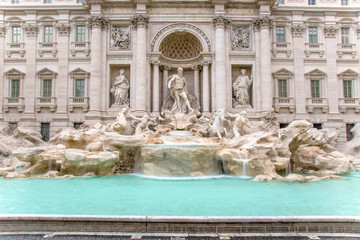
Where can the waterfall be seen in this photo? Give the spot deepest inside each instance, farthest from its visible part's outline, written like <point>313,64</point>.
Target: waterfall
<point>352,168</point>
<point>245,167</point>
<point>243,157</point>
<point>288,167</point>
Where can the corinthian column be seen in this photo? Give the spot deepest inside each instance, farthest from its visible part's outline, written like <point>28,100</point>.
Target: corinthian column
<point>156,86</point>
<point>2,50</point>
<point>196,82</point>
<point>140,24</point>
<point>97,23</point>
<point>205,87</point>
<point>220,22</point>
<point>267,89</point>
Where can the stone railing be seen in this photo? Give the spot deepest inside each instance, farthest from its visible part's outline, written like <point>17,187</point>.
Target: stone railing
<point>346,49</point>
<point>14,102</point>
<point>312,103</point>
<point>80,47</point>
<point>15,48</point>
<point>79,102</point>
<point>284,102</point>
<point>47,47</point>
<point>349,103</point>
<point>317,48</point>
<point>278,47</point>
<point>46,102</point>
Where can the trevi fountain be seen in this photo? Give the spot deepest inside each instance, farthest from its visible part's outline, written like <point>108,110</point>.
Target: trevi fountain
<point>180,146</point>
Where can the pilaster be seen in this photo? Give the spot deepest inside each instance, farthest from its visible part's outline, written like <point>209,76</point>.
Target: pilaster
<point>267,87</point>
<point>165,70</point>
<point>220,22</point>
<point>331,71</point>
<point>206,87</point>
<point>156,86</point>
<point>2,56</point>
<point>298,30</point>
<point>196,69</point>
<point>140,24</point>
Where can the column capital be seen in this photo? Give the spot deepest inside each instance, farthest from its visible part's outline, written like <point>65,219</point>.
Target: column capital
<point>139,21</point>
<point>297,30</point>
<point>155,62</point>
<point>63,29</point>
<point>165,67</point>
<point>97,22</point>
<point>30,29</point>
<point>2,31</point>
<point>221,21</point>
<point>330,31</point>
<point>196,67</point>
<point>206,63</point>
<point>264,21</point>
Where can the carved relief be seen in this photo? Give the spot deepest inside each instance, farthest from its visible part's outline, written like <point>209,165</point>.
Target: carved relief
<point>298,29</point>
<point>63,28</point>
<point>139,21</point>
<point>97,22</point>
<point>241,38</point>
<point>220,21</point>
<point>120,37</point>
<point>262,21</point>
<point>330,31</point>
<point>30,29</point>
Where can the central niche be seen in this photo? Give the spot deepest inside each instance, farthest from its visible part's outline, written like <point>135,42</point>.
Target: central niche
<point>180,46</point>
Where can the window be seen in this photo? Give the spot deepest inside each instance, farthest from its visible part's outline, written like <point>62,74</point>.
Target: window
<point>15,88</point>
<point>345,35</point>
<point>280,34</point>
<point>315,88</point>
<point>313,35</point>
<point>282,84</point>
<point>311,2</point>
<point>15,1</point>
<point>344,2</point>
<point>48,34</point>
<point>16,34</point>
<point>45,131</point>
<point>79,1</point>
<point>46,87</point>
<point>47,1</point>
<point>347,88</point>
<point>80,33</point>
<point>79,87</point>
<point>349,135</point>
<point>317,126</point>
<point>280,1</point>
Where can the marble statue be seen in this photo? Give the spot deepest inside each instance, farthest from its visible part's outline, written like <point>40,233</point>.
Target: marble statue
<point>239,123</point>
<point>219,126</point>
<point>121,125</point>
<point>120,90</point>
<point>241,88</point>
<point>179,93</point>
<point>143,123</point>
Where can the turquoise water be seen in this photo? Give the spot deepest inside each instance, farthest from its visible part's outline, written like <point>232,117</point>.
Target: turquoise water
<point>134,195</point>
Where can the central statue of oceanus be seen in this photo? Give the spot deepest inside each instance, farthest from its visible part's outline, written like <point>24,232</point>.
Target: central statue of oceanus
<point>179,101</point>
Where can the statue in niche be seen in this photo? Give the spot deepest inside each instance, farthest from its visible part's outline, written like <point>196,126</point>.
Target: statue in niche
<point>241,88</point>
<point>241,37</point>
<point>120,90</point>
<point>179,101</point>
<point>120,38</point>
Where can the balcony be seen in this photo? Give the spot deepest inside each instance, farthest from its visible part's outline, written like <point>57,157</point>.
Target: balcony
<point>313,103</point>
<point>79,102</point>
<point>349,103</point>
<point>15,48</point>
<point>46,102</point>
<point>14,102</point>
<point>80,47</point>
<point>47,47</point>
<point>314,48</point>
<point>349,49</point>
<point>281,47</point>
<point>284,103</point>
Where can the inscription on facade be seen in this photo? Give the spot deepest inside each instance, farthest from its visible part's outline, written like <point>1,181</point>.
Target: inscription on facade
<point>242,11</point>
<point>180,11</point>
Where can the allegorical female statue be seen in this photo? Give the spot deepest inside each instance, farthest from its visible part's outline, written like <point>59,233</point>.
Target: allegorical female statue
<point>179,92</point>
<point>120,89</point>
<point>241,88</point>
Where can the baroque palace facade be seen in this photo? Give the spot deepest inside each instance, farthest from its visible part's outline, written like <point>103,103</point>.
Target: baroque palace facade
<point>61,58</point>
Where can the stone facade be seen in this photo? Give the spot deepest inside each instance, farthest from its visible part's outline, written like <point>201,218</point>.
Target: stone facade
<point>61,58</point>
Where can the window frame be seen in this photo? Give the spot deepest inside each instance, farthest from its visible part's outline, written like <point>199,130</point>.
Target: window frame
<point>311,2</point>
<point>344,2</point>
<point>83,33</point>
<point>76,87</point>
<point>319,93</point>
<point>279,36</point>
<point>18,34</point>
<point>47,36</point>
<point>311,36</point>
<point>345,37</point>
